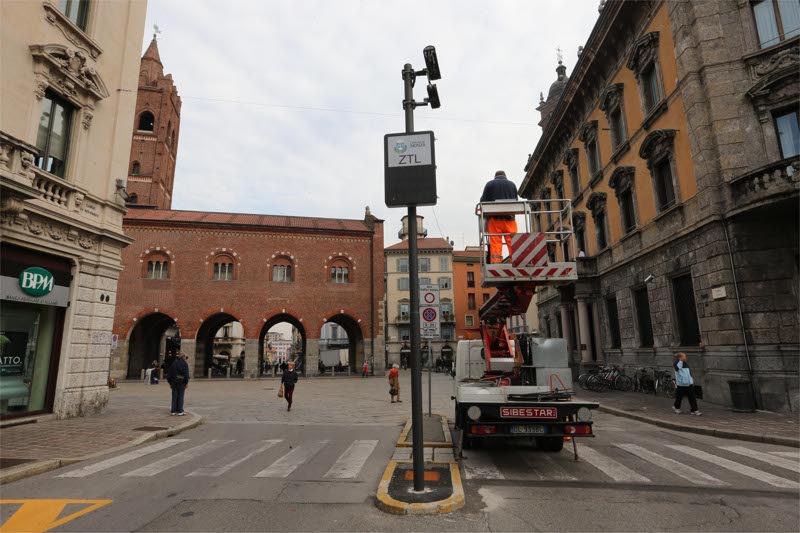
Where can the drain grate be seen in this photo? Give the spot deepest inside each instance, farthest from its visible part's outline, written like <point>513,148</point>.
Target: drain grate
<point>6,462</point>
<point>149,428</point>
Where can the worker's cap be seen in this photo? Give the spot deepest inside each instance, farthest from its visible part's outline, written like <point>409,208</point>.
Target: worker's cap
<point>500,173</point>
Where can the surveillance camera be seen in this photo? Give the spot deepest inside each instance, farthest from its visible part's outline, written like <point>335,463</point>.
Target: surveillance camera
<point>431,63</point>
<point>433,96</point>
<point>649,279</point>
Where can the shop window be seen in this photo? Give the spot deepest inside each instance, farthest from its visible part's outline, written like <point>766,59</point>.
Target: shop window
<point>597,205</point>
<point>424,264</point>
<point>642,304</point>
<point>685,310</point>
<point>622,183</point>
<point>571,162</point>
<point>613,322</point>
<point>776,20</point>
<point>445,283</point>
<point>471,301</point>
<point>470,279</point>
<point>147,121</point>
<point>223,268</point>
<point>157,267</point>
<point>52,137</point>
<point>469,320</point>
<point>402,264</point>
<point>788,129</point>
<point>645,66</point>
<point>402,284</point>
<point>658,150</point>
<point>75,10</point>
<point>588,136</point>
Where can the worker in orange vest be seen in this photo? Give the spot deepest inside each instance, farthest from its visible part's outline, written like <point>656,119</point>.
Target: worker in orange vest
<point>500,188</point>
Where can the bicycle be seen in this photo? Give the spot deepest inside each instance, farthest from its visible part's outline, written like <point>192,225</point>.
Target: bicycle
<point>666,383</point>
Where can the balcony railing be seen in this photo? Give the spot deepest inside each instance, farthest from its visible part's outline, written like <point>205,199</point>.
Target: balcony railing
<point>775,179</point>
<point>402,318</point>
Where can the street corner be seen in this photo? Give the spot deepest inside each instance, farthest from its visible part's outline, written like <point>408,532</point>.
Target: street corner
<point>435,431</point>
<point>443,493</point>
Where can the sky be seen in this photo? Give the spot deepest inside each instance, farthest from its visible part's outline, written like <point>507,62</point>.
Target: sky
<point>285,103</point>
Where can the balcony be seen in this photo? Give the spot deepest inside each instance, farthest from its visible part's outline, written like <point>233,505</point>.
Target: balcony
<point>448,317</point>
<point>16,172</point>
<point>763,185</point>
<point>403,318</point>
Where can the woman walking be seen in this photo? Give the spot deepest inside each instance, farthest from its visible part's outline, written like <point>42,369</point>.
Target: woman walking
<point>288,381</point>
<point>394,383</point>
<point>685,383</point>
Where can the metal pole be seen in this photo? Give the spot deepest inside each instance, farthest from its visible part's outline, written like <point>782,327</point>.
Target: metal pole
<point>413,274</point>
<point>430,373</point>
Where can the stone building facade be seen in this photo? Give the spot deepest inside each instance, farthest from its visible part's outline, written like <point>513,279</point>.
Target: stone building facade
<point>676,137</point>
<point>64,146</point>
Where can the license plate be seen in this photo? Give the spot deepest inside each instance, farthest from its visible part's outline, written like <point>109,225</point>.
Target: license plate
<point>529,429</point>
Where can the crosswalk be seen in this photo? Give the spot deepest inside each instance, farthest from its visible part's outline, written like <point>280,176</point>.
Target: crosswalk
<point>730,466</point>
<point>214,458</point>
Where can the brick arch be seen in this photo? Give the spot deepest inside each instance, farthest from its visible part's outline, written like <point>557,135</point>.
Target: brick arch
<point>350,314</point>
<point>199,320</point>
<point>339,255</point>
<point>288,255</point>
<point>125,330</point>
<point>154,250</point>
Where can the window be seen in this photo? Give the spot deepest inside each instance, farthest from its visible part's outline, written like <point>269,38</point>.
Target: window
<point>642,304</point>
<point>340,274</point>
<point>551,251</point>
<point>643,61</point>
<point>146,121</point>
<point>627,210</point>
<point>613,322</point>
<point>469,320</point>
<point>571,161</point>
<point>650,88</point>
<point>157,268</point>
<point>580,240</point>
<point>445,283</point>
<point>786,124</point>
<point>282,273</point>
<point>657,149</point>
<point>424,281</point>
<point>597,204</point>
<point>565,251</point>
<point>75,10</point>
<point>448,332</point>
<point>588,136</point>
<point>617,125</point>
<point>447,310</point>
<point>593,156</point>
<point>578,225</point>
<point>52,138</point>
<point>133,198</point>
<point>485,297</point>
<point>424,264</point>
<point>223,268</point>
<point>402,284</point>
<point>547,328</point>
<point>470,279</point>
<point>444,264</point>
<point>776,20</point>
<point>558,183</point>
<point>404,332</point>
<point>135,168</point>
<point>403,310</point>
<point>622,183</point>
<point>402,264</point>
<point>471,301</point>
<point>686,310</point>
<point>663,178</point>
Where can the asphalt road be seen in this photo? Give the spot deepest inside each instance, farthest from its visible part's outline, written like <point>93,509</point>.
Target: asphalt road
<point>254,467</point>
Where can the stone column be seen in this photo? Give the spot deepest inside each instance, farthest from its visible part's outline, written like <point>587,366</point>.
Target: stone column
<point>577,332</point>
<point>251,358</point>
<point>599,343</point>
<point>566,330</point>
<point>586,337</point>
<point>312,357</point>
<point>189,347</point>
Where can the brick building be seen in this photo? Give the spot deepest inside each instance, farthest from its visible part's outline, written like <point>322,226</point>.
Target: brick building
<point>676,136</point>
<point>469,296</point>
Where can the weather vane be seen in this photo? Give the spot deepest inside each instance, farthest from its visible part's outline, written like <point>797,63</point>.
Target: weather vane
<point>156,31</point>
<point>559,55</point>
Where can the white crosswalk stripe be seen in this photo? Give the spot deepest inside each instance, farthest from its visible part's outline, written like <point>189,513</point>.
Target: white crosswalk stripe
<point>781,462</point>
<point>124,458</point>
<point>610,467</point>
<point>679,469</point>
<point>546,467</point>
<point>177,459</point>
<point>289,462</point>
<point>218,468</point>
<point>350,463</point>
<point>793,455</point>
<point>480,466</point>
<point>770,479</point>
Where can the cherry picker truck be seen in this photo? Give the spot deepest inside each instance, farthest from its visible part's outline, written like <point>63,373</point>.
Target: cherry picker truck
<point>520,387</point>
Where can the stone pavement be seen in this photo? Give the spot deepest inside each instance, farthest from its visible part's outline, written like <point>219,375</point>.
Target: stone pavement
<point>761,426</point>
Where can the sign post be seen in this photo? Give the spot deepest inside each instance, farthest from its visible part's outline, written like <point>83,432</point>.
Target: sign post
<point>430,326</point>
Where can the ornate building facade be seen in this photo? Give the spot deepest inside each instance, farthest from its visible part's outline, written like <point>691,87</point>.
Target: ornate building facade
<point>676,137</point>
<point>63,148</point>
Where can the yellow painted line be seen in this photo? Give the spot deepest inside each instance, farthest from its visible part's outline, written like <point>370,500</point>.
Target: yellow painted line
<point>38,516</point>
<point>401,440</point>
<point>448,442</point>
<point>390,505</point>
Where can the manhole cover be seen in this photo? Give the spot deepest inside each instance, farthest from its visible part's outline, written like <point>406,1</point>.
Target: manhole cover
<point>149,428</point>
<point>8,462</point>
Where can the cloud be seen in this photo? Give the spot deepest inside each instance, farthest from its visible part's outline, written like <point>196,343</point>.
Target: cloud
<point>236,66</point>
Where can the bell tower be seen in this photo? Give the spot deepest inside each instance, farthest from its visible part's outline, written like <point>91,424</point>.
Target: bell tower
<point>156,129</point>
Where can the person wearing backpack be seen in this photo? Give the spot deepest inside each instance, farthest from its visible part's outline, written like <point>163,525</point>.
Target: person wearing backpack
<point>178,379</point>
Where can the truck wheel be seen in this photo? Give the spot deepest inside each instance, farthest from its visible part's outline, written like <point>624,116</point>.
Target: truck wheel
<point>550,444</point>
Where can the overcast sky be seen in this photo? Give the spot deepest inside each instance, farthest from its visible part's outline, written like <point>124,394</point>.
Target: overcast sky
<point>249,72</point>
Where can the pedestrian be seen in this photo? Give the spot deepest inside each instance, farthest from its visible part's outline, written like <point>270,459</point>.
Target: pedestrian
<point>394,383</point>
<point>239,365</point>
<point>288,381</point>
<point>365,370</point>
<point>284,366</point>
<point>154,373</point>
<point>685,383</point>
<point>499,227</point>
<point>178,379</point>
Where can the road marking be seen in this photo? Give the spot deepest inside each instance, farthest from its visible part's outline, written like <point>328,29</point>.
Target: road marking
<point>609,466</point>
<point>478,466</point>
<point>223,465</point>
<point>124,458</point>
<point>43,515</point>
<point>289,462</point>
<point>775,481</point>
<point>350,463</point>
<point>544,466</point>
<point>793,455</point>
<point>679,469</point>
<point>177,459</point>
<point>781,462</point>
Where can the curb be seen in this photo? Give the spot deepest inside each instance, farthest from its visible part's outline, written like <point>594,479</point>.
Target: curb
<point>40,467</point>
<point>448,442</point>
<point>703,430</point>
<point>390,505</point>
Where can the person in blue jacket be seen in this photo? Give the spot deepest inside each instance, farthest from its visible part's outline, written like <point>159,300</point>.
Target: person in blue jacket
<point>685,383</point>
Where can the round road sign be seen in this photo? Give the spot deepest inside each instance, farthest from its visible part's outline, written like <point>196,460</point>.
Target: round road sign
<point>429,314</point>
<point>429,297</point>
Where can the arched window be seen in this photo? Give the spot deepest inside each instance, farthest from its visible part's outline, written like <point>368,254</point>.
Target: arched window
<point>133,198</point>
<point>157,266</point>
<point>135,168</point>
<point>340,271</point>
<point>146,121</point>
<point>223,268</point>
<point>282,270</point>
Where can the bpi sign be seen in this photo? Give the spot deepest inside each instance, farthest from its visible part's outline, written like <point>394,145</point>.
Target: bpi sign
<point>410,169</point>
<point>429,323</point>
